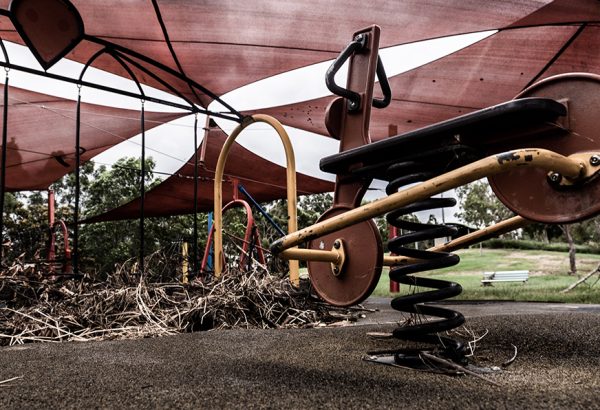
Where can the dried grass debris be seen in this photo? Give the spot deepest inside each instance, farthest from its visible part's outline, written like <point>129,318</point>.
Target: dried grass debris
<point>37,308</point>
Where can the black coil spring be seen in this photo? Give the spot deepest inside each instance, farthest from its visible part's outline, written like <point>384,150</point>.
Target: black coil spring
<point>424,332</point>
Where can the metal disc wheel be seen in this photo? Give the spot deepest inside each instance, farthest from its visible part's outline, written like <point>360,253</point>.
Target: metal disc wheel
<point>363,262</point>
<point>525,190</point>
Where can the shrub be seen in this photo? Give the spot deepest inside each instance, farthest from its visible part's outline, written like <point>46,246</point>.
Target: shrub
<point>536,245</point>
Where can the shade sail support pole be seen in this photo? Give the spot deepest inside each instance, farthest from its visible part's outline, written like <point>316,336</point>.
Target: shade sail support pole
<point>117,58</point>
<point>77,183</point>
<point>3,170</point>
<point>142,189</point>
<point>291,190</point>
<point>195,234</point>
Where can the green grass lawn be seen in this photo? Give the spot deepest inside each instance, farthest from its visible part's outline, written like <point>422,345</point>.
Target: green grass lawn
<point>547,276</point>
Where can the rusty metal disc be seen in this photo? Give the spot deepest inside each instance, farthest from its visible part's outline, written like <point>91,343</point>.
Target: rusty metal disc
<point>526,190</point>
<point>362,268</point>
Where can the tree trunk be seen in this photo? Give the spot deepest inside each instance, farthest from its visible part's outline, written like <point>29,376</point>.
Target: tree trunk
<point>572,263</point>
<point>545,235</point>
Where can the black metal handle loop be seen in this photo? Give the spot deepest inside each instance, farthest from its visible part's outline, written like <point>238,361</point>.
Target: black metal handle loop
<point>353,98</point>
<point>385,87</point>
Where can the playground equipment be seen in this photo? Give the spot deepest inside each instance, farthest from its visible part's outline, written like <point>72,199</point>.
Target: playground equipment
<point>540,152</point>
<point>250,243</point>
<point>60,225</point>
<point>291,189</point>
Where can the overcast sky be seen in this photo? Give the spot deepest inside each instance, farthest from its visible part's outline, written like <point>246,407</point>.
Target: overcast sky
<point>172,144</point>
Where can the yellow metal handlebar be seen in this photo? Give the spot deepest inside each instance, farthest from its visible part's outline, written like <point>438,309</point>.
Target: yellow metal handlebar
<point>291,189</point>
<point>572,168</point>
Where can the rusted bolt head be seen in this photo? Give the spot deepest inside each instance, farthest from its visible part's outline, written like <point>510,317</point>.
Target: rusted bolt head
<point>595,160</point>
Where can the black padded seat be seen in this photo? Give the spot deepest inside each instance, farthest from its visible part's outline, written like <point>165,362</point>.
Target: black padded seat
<point>508,120</point>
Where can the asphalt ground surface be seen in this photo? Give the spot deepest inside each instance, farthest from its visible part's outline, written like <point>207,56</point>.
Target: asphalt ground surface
<point>556,367</point>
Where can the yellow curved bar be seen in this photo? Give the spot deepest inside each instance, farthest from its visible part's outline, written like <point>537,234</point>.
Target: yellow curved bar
<point>291,190</point>
<point>573,168</point>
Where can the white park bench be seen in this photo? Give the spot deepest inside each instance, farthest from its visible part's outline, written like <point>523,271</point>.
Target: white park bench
<point>505,276</point>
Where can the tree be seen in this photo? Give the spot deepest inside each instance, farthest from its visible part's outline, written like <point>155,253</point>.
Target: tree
<point>25,225</point>
<point>479,206</point>
<point>587,231</point>
<point>582,232</point>
<point>572,263</point>
<point>101,245</point>
<point>311,207</point>
<point>104,244</point>
<point>64,190</point>
<point>542,232</point>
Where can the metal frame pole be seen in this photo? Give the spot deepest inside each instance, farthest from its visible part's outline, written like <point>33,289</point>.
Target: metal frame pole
<point>77,183</point>
<point>142,190</point>
<point>261,210</point>
<point>195,233</point>
<point>209,260</point>
<point>3,170</point>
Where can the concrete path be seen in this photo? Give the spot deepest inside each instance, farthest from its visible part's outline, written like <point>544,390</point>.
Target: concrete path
<point>385,314</point>
<point>556,367</point>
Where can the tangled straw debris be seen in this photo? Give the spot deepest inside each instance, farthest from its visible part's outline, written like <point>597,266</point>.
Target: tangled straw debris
<point>36,308</point>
